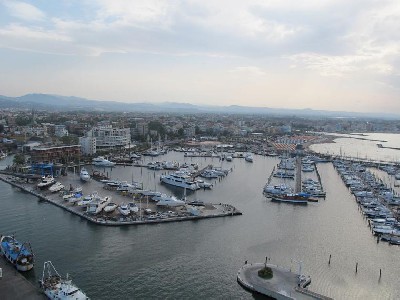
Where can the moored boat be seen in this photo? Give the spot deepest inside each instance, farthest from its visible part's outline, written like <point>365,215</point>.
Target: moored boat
<point>56,287</point>
<point>294,198</point>
<point>84,175</point>
<point>58,186</point>
<point>46,181</point>
<point>100,161</point>
<point>20,255</point>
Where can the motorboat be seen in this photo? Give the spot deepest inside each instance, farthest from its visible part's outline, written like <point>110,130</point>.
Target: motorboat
<point>229,158</point>
<point>97,205</point>
<point>276,189</point>
<point>135,156</point>
<point>100,161</point>
<point>180,179</point>
<point>204,184</point>
<point>20,255</point>
<point>76,198</point>
<point>56,187</point>
<point>84,175</point>
<point>124,209</point>
<point>46,181</point>
<point>56,287</point>
<point>294,198</point>
<point>110,207</point>
<point>307,168</point>
<point>248,157</point>
<point>170,201</point>
<point>133,207</point>
<point>84,202</point>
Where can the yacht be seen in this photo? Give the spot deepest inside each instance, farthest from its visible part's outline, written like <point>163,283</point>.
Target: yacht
<point>84,175</point>
<point>110,207</point>
<point>100,161</point>
<point>56,187</point>
<point>46,182</point>
<point>180,179</point>
<point>229,158</point>
<point>204,184</point>
<point>133,207</point>
<point>170,201</point>
<point>248,157</point>
<point>56,287</point>
<point>124,209</point>
<point>297,198</point>
<point>97,205</point>
<point>84,202</point>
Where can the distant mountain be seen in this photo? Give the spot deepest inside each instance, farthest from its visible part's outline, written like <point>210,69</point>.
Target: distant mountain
<point>65,103</point>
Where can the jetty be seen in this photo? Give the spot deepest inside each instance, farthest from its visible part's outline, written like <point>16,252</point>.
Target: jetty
<point>14,286</point>
<point>283,285</point>
<point>209,210</point>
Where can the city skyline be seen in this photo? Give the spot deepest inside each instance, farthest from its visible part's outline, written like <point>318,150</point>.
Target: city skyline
<point>330,55</point>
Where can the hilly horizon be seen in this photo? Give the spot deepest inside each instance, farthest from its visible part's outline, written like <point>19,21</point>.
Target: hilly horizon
<point>69,103</point>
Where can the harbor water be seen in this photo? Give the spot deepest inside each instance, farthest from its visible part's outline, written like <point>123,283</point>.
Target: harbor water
<point>200,259</point>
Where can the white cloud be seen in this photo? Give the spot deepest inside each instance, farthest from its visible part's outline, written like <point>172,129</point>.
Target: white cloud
<point>24,11</point>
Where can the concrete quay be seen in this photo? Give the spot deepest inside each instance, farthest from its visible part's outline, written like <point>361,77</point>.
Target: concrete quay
<point>115,219</point>
<point>14,286</point>
<point>282,286</point>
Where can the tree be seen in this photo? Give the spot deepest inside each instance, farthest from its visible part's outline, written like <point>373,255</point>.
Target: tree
<point>19,159</point>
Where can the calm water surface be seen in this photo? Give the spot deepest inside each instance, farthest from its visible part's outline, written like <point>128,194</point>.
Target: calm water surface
<point>199,259</point>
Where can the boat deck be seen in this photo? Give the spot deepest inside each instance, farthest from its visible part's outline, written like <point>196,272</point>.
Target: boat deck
<point>14,286</point>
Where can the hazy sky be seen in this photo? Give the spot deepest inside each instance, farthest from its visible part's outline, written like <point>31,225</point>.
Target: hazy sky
<point>321,54</point>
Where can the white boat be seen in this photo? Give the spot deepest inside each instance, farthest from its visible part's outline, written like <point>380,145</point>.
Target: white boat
<point>110,207</point>
<point>100,161</point>
<point>180,179</point>
<point>46,181</point>
<point>124,209</point>
<point>248,157</point>
<point>307,168</point>
<point>133,207</point>
<point>88,199</point>
<point>135,156</point>
<point>170,201</point>
<point>56,187</point>
<point>84,175</point>
<point>204,184</point>
<point>229,158</point>
<point>97,205</point>
<point>56,287</point>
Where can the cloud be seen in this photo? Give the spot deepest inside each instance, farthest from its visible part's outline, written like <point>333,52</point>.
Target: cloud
<point>24,11</point>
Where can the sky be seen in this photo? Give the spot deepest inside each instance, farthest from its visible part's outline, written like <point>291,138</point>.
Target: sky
<point>318,54</point>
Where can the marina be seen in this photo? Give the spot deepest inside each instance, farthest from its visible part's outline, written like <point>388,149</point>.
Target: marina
<point>226,238</point>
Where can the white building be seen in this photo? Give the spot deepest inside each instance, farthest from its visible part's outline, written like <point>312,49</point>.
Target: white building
<point>88,145</point>
<point>107,136</point>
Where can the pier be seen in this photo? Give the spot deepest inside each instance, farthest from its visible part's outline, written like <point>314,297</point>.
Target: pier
<point>14,286</point>
<point>211,210</point>
<point>284,284</point>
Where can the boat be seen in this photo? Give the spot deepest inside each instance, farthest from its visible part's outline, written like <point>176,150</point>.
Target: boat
<point>294,198</point>
<point>124,209</point>
<point>100,161</point>
<point>84,202</point>
<point>307,168</point>
<point>46,181</point>
<point>20,255</point>
<point>84,175</point>
<point>56,187</point>
<point>170,201</point>
<point>110,207</point>
<point>56,287</point>
<point>180,179</point>
<point>97,205</point>
<point>229,158</point>
<point>133,207</point>
<point>248,157</point>
<point>204,184</point>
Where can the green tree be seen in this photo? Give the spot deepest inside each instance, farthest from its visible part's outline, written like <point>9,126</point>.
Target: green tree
<point>19,159</point>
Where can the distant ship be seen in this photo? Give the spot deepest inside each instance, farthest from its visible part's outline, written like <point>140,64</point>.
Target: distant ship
<point>56,287</point>
<point>20,255</point>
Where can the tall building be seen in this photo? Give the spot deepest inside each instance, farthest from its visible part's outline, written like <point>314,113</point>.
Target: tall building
<point>88,145</point>
<point>107,136</point>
